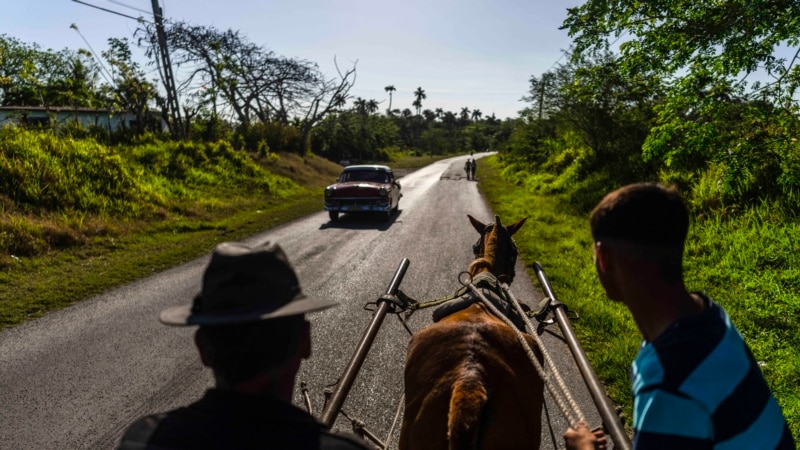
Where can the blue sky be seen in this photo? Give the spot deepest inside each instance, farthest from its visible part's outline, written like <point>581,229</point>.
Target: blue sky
<point>463,53</point>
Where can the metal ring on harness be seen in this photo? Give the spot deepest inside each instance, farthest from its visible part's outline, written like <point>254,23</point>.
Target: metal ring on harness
<point>395,303</point>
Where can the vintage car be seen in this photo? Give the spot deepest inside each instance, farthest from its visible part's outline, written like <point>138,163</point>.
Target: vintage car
<point>363,188</point>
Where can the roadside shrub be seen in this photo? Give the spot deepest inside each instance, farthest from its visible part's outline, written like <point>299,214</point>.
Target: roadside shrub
<point>39,170</point>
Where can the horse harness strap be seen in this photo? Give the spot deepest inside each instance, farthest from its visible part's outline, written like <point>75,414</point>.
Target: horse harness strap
<point>459,302</point>
<point>490,287</point>
<point>476,290</point>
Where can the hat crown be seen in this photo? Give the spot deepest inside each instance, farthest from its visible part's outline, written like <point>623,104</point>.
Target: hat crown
<point>242,278</point>
<point>242,284</point>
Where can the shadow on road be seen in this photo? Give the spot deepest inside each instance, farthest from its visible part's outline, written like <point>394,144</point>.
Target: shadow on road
<point>363,221</point>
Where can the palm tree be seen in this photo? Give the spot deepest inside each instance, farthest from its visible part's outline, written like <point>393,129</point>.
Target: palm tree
<point>371,106</point>
<point>439,113</point>
<point>476,115</point>
<point>390,88</point>
<point>465,114</point>
<point>419,94</point>
<point>360,105</point>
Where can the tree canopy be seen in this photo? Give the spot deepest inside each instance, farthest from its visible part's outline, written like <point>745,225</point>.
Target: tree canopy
<point>731,81</point>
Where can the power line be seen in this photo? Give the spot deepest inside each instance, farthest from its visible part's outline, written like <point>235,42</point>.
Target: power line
<point>104,71</point>
<point>125,5</point>
<point>140,18</point>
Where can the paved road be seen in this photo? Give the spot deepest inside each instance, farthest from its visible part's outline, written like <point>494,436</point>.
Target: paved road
<point>76,377</point>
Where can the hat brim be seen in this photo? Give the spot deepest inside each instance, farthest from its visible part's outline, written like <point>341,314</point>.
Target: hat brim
<point>183,315</point>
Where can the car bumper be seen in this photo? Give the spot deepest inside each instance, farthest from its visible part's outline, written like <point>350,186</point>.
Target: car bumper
<point>358,207</point>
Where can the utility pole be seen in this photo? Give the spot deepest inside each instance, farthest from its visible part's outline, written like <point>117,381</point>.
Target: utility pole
<point>541,95</point>
<point>169,79</point>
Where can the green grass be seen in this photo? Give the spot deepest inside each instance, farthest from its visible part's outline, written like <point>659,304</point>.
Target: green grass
<point>30,287</point>
<point>78,218</point>
<point>750,264</point>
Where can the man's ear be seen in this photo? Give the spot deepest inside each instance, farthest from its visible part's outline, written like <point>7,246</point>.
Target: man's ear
<point>198,342</point>
<point>602,256</point>
<point>305,341</point>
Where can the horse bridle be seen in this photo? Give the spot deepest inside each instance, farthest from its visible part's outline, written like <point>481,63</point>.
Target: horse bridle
<point>477,250</point>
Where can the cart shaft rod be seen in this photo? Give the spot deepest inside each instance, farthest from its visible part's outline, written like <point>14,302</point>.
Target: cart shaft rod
<point>349,376</point>
<point>609,415</point>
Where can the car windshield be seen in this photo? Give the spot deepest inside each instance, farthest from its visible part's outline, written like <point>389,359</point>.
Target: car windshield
<point>365,175</point>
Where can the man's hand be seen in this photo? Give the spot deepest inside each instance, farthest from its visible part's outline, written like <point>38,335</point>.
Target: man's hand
<point>583,438</point>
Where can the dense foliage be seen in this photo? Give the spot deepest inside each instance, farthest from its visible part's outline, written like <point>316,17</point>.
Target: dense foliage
<point>728,71</point>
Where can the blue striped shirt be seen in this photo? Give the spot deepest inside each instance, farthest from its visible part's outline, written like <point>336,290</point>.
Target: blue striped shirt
<point>697,386</point>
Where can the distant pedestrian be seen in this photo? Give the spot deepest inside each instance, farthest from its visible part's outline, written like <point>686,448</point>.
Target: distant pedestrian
<point>468,168</point>
<point>472,166</point>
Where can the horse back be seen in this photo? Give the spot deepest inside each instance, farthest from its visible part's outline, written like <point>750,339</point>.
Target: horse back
<point>469,384</point>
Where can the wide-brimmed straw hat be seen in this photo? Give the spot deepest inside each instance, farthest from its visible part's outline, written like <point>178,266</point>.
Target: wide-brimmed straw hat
<point>245,284</point>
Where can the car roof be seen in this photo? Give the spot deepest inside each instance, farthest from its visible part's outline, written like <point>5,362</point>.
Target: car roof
<point>368,167</point>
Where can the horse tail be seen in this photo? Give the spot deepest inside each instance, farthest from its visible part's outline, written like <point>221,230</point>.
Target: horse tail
<point>468,396</point>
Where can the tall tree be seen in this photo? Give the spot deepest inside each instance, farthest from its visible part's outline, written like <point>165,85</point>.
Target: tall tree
<point>253,82</point>
<point>542,94</point>
<point>131,91</point>
<point>419,95</point>
<point>464,114</point>
<point>476,115</point>
<point>372,106</point>
<point>389,89</point>
<point>712,52</point>
<point>360,105</point>
<point>31,76</point>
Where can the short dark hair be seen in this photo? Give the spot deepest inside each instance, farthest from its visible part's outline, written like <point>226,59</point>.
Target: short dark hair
<point>649,215</point>
<point>239,352</point>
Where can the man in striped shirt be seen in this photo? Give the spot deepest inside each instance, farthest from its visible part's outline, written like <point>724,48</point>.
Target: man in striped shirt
<point>696,384</point>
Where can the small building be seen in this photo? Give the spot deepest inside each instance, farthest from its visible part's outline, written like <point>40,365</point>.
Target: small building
<point>56,116</point>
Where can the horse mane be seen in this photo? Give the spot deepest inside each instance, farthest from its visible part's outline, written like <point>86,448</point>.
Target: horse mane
<point>480,265</point>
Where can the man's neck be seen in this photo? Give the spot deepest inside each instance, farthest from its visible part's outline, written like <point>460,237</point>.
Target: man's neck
<point>656,309</point>
<point>278,383</point>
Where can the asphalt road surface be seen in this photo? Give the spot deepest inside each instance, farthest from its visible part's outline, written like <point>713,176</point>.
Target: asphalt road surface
<point>77,377</point>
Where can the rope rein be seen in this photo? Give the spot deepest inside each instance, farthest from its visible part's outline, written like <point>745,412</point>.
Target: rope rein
<point>561,384</point>
<point>562,396</point>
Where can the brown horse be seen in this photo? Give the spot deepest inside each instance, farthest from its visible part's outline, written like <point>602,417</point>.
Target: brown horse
<point>468,382</point>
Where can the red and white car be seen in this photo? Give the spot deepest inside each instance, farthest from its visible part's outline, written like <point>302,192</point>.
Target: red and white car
<point>363,188</point>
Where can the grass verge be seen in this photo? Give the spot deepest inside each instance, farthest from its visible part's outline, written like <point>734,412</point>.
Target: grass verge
<point>30,287</point>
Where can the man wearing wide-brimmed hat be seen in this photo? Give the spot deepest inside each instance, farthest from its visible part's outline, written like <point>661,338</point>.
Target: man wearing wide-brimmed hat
<point>253,334</point>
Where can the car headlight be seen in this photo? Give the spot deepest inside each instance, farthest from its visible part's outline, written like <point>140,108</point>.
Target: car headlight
<point>383,192</point>
<point>329,191</point>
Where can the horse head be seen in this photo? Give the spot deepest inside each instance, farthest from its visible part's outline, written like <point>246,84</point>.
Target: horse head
<point>495,250</point>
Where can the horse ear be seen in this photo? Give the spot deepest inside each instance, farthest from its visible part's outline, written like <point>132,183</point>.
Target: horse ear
<point>477,224</point>
<point>513,228</point>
